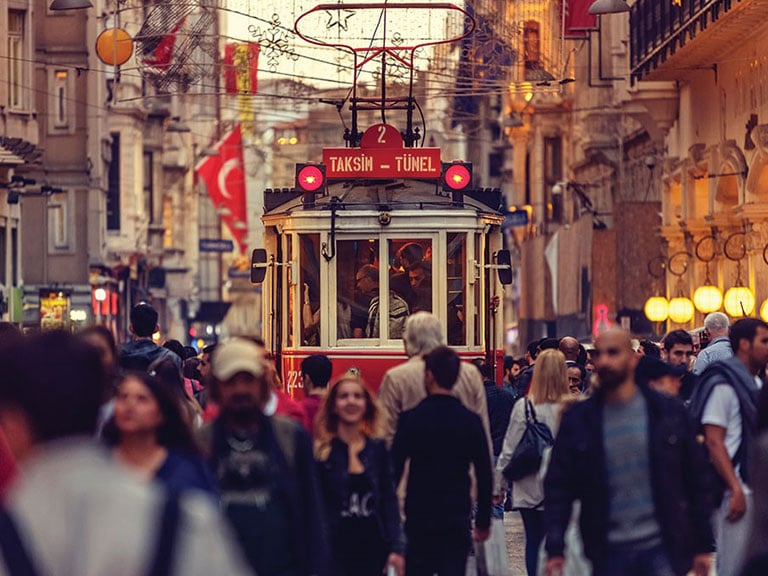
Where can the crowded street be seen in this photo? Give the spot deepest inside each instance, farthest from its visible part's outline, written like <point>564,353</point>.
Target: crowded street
<point>383,288</point>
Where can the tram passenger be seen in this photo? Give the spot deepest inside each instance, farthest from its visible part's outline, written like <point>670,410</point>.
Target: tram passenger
<point>368,279</point>
<point>420,278</point>
<point>406,257</point>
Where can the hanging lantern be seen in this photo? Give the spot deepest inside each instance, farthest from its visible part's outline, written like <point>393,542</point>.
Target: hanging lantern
<point>764,310</point>
<point>656,309</point>
<point>707,299</point>
<point>739,302</point>
<point>681,310</point>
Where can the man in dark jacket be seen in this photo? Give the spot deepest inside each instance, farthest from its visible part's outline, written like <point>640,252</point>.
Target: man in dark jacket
<point>265,469</point>
<point>630,456</point>
<point>441,438</point>
<point>142,351</point>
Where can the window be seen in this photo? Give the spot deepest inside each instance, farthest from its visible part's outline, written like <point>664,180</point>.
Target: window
<point>58,237</point>
<point>113,190</point>
<point>531,45</point>
<point>309,280</point>
<point>357,287</point>
<point>456,273</point>
<point>14,280</point>
<point>60,96</point>
<point>168,222</point>
<point>149,187</point>
<point>16,59</point>
<point>3,254</point>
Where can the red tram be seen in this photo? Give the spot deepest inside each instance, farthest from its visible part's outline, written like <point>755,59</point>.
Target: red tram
<point>380,229</point>
<point>379,232</point>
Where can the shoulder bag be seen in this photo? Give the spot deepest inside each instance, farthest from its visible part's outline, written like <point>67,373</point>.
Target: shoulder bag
<point>537,437</point>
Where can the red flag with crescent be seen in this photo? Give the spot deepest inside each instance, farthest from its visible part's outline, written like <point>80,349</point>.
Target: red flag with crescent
<point>224,178</point>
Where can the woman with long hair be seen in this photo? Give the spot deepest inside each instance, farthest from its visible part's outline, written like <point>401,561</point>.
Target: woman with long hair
<point>166,371</point>
<point>549,388</point>
<point>357,482</point>
<point>149,435</point>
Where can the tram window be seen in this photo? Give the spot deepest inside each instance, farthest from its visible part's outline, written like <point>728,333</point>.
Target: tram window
<point>291,290</point>
<point>455,273</point>
<point>477,340</point>
<point>357,260</point>
<point>410,273</point>
<point>309,282</point>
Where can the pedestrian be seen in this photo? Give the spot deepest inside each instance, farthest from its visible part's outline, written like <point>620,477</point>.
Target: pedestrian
<point>630,456</point>
<point>165,371</point>
<point>440,438</point>
<point>677,350</point>
<point>76,510</point>
<point>316,370</point>
<point>264,467</point>
<point>149,435</point>
<point>500,402</point>
<point>726,406</point>
<point>570,348</point>
<point>512,369</point>
<point>719,348</point>
<point>659,375</point>
<point>102,339</point>
<point>402,387</point>
<point>577,377</point>
<point>140,352</point>
<point>549,388</point>
<point>357,482</point>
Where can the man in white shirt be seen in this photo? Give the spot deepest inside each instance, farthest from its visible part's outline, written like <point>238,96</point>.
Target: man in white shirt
<point>74,509</point>
<point>726,403</point>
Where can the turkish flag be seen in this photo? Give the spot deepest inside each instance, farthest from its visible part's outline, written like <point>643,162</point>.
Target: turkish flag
<point>224,179</point>
<point>578,20</point>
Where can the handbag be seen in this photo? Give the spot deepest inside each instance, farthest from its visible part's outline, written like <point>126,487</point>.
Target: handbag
<point>537,437</point>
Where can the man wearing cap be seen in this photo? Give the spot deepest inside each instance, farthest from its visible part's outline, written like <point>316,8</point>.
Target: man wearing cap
<point>265,469</point>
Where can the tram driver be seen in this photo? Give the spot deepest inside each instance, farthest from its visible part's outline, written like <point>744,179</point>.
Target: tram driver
<point>367,279</point>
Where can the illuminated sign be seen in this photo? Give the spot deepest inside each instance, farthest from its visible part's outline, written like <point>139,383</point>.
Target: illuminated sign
<point>382,155</point>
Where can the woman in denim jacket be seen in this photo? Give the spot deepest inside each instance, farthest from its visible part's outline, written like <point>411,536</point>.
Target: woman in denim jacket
<point>357,482</point>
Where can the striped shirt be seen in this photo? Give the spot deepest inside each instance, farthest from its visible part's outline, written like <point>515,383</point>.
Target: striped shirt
<point>632,517</point>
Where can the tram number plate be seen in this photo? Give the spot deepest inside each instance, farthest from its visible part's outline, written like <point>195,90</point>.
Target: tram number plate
<point>382,162</point>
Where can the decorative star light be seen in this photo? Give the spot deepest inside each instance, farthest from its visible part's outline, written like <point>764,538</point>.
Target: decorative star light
<point>339,18</point>
<point>274,42</point>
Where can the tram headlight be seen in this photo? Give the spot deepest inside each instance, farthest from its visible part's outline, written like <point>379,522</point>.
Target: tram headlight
<point>456,176</point>
<point>310,177</point>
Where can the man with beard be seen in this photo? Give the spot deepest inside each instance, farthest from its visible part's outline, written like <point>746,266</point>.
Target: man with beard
<point>630,455</point>
<point>264,467</point>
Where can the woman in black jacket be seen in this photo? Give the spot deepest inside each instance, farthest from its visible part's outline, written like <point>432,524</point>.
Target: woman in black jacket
<point>357,482</point>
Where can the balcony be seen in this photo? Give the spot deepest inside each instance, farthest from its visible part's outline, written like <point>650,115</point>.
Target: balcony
<point>667,39</point>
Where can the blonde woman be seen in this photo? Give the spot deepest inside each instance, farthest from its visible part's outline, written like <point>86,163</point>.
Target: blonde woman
<point>357,482</point>
<point>549,387</point>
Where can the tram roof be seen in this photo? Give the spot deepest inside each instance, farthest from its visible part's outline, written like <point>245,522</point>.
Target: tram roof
<point>389,195</point>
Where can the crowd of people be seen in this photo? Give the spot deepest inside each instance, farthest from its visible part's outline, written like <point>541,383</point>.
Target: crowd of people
<point>624,459</point>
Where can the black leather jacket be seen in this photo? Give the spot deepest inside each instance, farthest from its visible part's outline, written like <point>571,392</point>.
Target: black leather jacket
<point>334,483</point>
<point>679,481</point>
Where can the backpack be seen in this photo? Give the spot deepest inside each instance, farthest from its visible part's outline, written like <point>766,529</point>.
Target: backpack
<point>528,454</point>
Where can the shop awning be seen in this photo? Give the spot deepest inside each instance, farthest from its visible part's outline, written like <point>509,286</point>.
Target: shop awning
<point>211,312</point>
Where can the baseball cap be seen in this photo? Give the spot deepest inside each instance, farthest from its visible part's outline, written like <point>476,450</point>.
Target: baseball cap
<point>652,368</point>
<point>237,355</point>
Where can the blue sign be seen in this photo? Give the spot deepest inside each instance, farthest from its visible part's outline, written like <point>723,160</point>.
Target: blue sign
<point>216,245</point>
<point>516,219</point>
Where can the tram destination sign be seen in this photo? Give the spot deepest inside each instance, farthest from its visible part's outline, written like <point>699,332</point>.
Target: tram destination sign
<point>382,163</point>
<point>381,155</point>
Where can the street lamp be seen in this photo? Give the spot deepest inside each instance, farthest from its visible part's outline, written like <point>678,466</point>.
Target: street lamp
<point>609,7</point>
<point>70,4</point>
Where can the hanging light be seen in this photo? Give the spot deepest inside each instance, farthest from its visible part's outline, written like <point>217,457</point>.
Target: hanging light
<point>707,299</point>
<point>739,302</point>
<point>764,310</point>
<point>70,4</point>
<point>681,310</point>
<point>609,7</point>
<point>656,309</point>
